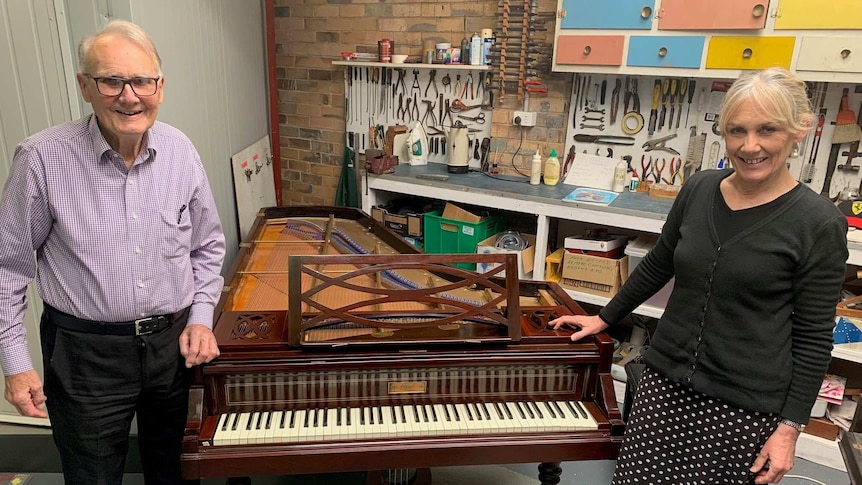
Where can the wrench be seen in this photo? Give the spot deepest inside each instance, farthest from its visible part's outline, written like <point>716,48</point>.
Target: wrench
<point>600,119</point>
<point>585,126</point>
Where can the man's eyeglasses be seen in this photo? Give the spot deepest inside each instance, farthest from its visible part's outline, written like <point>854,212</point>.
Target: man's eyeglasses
<point>113,86</point>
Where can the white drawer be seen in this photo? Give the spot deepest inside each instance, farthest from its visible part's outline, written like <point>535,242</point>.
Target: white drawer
<point>838,54</point>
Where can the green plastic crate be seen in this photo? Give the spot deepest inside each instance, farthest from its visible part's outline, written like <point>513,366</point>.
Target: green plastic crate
<point>450,236</point>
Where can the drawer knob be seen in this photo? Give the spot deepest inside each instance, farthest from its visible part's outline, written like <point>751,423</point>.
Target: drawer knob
<point>587,50</point>
<point>758,11</point>
<point>646,13</point>
<point>662,52</point>
<point>845,53</point>
<point>746,54</point>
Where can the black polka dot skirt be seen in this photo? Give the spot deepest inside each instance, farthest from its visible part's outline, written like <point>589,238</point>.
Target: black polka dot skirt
<point>678,436</point>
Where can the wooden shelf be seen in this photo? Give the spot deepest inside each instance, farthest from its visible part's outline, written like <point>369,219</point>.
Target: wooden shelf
<point>412,65</point>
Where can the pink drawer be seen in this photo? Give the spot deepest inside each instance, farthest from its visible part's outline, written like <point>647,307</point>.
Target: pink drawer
<point>595,50</point>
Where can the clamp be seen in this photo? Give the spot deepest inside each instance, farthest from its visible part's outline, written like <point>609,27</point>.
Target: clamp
<point>659,144</point>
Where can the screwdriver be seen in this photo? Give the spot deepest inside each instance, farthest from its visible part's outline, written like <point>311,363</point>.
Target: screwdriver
<point>664,92</point>
<point>691,89</point>
<point>683,88</point>
<point>674,89</point>
<point>656,93</point>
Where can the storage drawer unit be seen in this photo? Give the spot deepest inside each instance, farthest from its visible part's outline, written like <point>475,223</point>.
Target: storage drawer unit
<point>594,50</point>
<point>608,14</point>
<point>712,15</point>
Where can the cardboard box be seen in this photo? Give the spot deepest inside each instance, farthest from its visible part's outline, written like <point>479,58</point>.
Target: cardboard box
<point>526,256</point>
<point>594,275</point>
<point>452,211</point>
<point>604,245</point>
<point>403,224</point>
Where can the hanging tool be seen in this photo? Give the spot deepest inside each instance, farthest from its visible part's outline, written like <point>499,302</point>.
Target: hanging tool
<point>675,171</point>
<point>645,168</point>
<point>658,169</point>
<point>604,139</point>
<point>712,164</point>
<point>415,86</point>
<point>570,157</point>
<point>690,89</point>
<point>659,144</point>
<point>674,90</point>
<point>808,171</point>
<point>665,91</point>
<point>615,100</point>
<point>683,88</point>
<point>432,74</point>
<point>653,114</point>
<point>694,153</point>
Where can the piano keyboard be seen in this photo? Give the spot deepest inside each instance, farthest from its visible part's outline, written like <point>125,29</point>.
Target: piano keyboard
<point>419,420</point>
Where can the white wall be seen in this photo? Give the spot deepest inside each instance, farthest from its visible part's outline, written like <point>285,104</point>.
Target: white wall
<point>213,54</point>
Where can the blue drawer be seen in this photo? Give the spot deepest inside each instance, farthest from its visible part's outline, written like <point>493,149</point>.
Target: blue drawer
<point>679,51</point>
<point>608,14</point>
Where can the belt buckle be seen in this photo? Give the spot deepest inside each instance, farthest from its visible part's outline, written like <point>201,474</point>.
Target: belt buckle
<point>146,326</point>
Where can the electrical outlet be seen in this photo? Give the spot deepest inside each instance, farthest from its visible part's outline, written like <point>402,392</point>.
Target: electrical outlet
<point>526,118</point>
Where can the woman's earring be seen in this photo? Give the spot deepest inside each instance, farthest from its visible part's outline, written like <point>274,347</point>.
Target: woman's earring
<point>795,152</point>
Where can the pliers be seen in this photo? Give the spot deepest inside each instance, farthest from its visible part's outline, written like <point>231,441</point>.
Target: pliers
<point>676,171</point>
<point>615,100</point>
<point>432,74</point>
<point>658,169</point>
<point>658,144</point>
<point>645,168</point>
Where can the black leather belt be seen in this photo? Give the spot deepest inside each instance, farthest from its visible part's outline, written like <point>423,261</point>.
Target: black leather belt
<point>141,326</point>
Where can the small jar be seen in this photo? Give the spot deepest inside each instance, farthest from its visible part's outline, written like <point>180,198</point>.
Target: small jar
<point>443,53</point>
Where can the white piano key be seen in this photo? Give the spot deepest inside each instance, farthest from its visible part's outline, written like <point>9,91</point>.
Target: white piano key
<point>241,436</point>
<point>256,431</point>
<point>471,426</point>
<point>355,429</point>
<point>387,425</point>
<point>588,422</point>
<point>272,426</point>
<point>221,436</point>
<point>301,423</point>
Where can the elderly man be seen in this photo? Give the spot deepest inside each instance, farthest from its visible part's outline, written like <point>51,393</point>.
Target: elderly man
<point>129,248</point>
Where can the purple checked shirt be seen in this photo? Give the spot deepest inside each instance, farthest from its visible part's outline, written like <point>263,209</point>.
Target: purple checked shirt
<point>111,245</point>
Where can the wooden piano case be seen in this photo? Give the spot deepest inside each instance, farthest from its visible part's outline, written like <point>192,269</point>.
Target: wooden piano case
<point>375,324</point>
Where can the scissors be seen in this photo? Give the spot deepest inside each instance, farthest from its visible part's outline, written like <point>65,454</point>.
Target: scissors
<point>480,118</point>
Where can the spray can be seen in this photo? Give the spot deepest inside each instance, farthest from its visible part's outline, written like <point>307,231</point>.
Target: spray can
<point>475,50</point>
<point>465,51</point>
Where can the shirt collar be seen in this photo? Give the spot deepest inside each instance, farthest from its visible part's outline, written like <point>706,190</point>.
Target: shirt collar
<point>103,151</point>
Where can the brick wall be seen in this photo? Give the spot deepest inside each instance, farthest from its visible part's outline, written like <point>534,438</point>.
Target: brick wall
<point>310,34</point>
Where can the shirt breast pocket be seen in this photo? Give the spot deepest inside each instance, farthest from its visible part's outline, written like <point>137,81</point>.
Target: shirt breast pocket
<point>176,234</point>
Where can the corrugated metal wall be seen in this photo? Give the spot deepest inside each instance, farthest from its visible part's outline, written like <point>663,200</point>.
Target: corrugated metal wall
<point>213,54</point>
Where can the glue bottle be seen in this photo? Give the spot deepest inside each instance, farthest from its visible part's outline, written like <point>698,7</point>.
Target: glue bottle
<point>634,181</point>
<point>536,169</point>
<point>620,176</point>
<point>552,169</point>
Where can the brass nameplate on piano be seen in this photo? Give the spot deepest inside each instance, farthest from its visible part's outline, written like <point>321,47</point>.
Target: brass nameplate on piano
<point>414,387</point>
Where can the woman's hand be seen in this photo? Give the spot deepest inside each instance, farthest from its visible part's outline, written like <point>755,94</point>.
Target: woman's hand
<point>776,457</point>
<point>585,325</point>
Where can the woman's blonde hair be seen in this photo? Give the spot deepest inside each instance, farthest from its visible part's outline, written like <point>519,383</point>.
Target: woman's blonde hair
<point>120,28</point>
<point>777,92</point>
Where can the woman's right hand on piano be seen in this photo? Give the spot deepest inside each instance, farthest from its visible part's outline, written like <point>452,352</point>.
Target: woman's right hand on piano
<point>584,325</point>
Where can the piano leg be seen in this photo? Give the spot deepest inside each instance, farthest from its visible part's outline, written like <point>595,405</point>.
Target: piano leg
<point>549,473</point>
<point>238,481</point>
<point>399,476</point>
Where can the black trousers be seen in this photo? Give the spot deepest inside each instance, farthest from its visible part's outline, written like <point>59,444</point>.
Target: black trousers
<point>96,384</point>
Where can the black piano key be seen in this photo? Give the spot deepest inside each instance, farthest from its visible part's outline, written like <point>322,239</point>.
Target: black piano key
<point>433,413</point>
<point>235,422</point>
<point>416,413</point>
<point>469,413</point>
<point>284,419</point>
<point>338,417</point>
<point>506,410</point>
<point>484,409</point>
<point>403,417</point>
<point>584,413</point>
<point>424,414</point>
<point>314,419</point>
<point>380,414</point>
<point>521,410</point>
<point>307,418</point>
<point>370,415</point>
<point>223,420</point>
<point>347,416</point>
<point>362,416</point>
<point>536,408</point>
<point>455,412</point>
<point>475,411</point>
<point>268,420</point>
<point>392,411</point>
<point>257,420</point>
<point>446,415</point>
<point>325,417</point>
<point>496,407</point>
<point>574,411</point>
<point>559,409</point>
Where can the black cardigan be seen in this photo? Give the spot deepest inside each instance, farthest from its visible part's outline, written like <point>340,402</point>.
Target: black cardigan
<point>749,321</point>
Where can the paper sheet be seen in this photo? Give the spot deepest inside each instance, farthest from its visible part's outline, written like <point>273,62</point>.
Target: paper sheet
<point>591,171</point>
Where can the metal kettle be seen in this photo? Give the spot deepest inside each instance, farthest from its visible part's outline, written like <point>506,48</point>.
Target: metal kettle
<point>458,148</point>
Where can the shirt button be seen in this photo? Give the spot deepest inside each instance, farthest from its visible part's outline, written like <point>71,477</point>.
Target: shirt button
<point>137,250</point>
<point>687,380</point>
<point>134,216</point>
<point>131,182</point>
<point>141,284</point>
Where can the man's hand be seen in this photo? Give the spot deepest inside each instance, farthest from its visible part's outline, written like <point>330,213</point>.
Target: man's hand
<point>24,391</point>
<point>778,453</point>
<point>198,344</point>
<point>586,325</point>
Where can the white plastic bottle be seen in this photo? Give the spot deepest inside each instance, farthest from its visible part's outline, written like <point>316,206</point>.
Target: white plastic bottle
<point>536,169</point>
<point>552,169</point>
<point>620,176</point>
<point>475,50</point>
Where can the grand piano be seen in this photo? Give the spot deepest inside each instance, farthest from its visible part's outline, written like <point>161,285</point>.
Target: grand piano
<point>344,349</point>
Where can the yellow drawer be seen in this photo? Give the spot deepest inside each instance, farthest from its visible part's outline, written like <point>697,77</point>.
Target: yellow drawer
<point>831,14</point>
<point>749,52</point>
<point>830,54</point>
